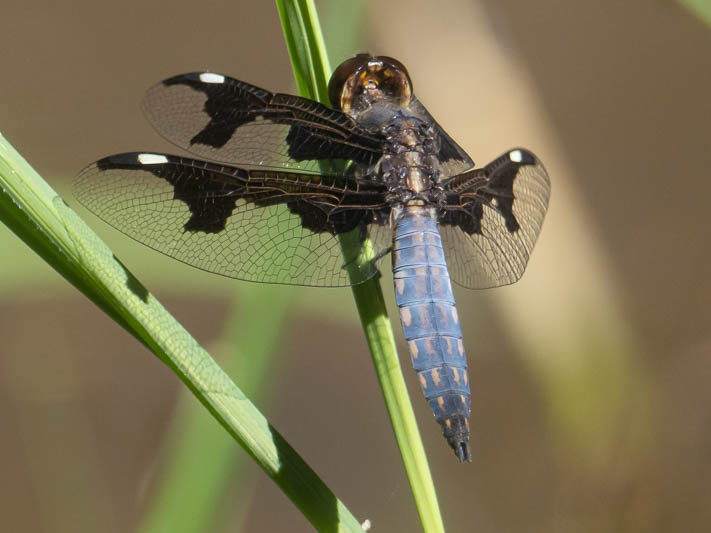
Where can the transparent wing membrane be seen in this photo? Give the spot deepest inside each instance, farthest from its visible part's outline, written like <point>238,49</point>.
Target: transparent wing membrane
<point>271,227</point>
<point>492,219</point>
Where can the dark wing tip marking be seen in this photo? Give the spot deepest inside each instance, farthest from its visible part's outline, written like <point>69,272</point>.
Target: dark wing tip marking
<point>188,78</point>
<point>129,160</point>
<point>111,161</point>
<point>523,156</point>
<point>208,198</point>
<point>502,174</point>
<point>493,186</point>
<point>493,217</point>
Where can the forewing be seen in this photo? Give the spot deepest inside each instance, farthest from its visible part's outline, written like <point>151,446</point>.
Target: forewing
<point>492,219</point>
<point>231,121</point>
<point>452,158</point>
<point>255,225</point>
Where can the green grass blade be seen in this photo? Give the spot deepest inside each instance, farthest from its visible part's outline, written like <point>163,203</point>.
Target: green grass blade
<point>32,210</point>
<point>201,460</point>
<point>311,69</point>
<point>701,8</point>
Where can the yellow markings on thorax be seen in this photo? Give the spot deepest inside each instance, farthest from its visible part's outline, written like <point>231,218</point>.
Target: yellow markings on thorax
<point>415,203</point>
<point>416,179</point>
<point>440,402</point>
<point>455,373</point>
<point>413,158</point>
<point>409,140</point>
<point>423,382</point>
<point>435,377</point>
<point>466,378</point>
<point>449,345</point>
<point>460,347</point>
<point>448,423</point>
<point>429,347</point>
<point>463,398</point>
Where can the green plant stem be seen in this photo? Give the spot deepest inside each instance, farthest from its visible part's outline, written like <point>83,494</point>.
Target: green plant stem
<point>311,69</point>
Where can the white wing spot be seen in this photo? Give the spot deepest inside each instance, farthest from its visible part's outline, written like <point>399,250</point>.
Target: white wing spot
<point>516,156</point>
<point>365,526</point>
<point>152,159</point>
<point>211,77</point>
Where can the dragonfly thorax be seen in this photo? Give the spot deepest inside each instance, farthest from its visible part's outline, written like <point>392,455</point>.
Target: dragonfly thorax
<point>410,167</point>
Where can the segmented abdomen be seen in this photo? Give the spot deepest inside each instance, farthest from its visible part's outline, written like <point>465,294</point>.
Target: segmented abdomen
<point>423,293</point>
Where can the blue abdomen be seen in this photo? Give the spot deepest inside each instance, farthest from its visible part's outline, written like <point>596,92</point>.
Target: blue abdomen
<point>423,293</point>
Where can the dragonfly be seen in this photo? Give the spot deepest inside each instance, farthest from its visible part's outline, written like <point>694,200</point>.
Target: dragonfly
<point>292,191</point>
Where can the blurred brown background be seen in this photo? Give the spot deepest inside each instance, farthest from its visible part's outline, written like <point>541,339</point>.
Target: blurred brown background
<point>590,396</point>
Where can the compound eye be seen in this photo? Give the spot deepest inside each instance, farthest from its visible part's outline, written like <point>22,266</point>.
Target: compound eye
<point>364,73</point>
<point>396,80</point>
<point>345,71</point>
<point>395,66</point>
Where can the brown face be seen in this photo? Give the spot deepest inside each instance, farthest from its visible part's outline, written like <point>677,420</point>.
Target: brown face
<point>364,79</point>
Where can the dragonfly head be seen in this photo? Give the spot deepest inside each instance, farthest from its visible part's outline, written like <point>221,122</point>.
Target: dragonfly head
<point>362,80</point>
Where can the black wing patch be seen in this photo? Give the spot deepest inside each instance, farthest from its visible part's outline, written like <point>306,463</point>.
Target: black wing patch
<point>231,121</point>
<point>452,158</point>
<point>492,219</point>
<point>256,225</point>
